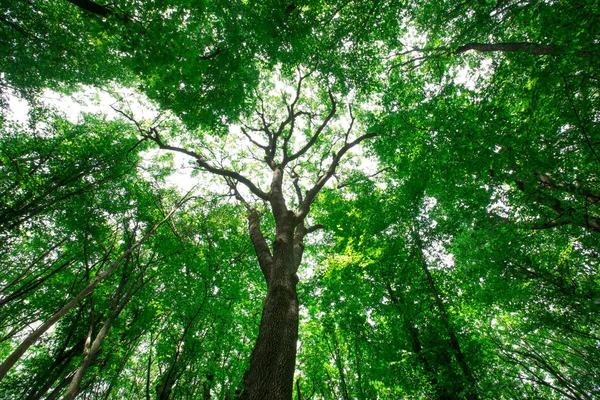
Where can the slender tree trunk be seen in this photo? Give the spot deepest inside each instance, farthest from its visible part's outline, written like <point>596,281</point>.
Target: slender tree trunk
<point>120,368</point>
<point>56,372</point>
<point>357,359</point>
<point>178,364</point>
<point>65,382</point>
<point>454,344</point>
<point>206,385</point>
<point>339,362</point>
<point>61,359</point>
<point>415,344</point>
<point>34,283</point>
<point>75,384</point>
<point>37,333</point>
<point>29,269</point>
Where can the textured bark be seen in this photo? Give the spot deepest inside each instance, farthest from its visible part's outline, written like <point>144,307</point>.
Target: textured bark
<point>263,253</point>
<point>271,372</point>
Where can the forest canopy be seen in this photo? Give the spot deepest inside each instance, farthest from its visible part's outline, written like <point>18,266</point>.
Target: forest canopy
<point>300,199</point>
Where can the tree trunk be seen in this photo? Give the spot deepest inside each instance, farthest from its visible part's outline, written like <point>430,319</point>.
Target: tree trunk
<point>271,372</point>
<point>75,384</point>
<point>454,344</point>
<point>339,362</point>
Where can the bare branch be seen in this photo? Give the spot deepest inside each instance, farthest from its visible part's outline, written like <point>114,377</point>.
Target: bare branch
<point>232,185</point>
<point>312,193</point>
<point>152,134</point>
<point>292,122</point>
<point>262,146</point>
<point>298,190</point>
<point>314,138</point>
<point>290,108</point>
<point>131,119</point>
<point>352,119</point>
<point>314,228</point>
<point>214,170</point>
<point>523,47</point>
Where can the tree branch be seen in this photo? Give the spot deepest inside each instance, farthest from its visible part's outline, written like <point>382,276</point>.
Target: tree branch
<point>314,138</point>
<point>152,134</point>
<point>314,228</point>
<point>254,142</point>
<point>105,12</point>
<point>520,47</point>
<point>299,245</point>
<point>312,193</point>
<point>276,197</point>
<point>263,253</point>
<point>511,47</point>
<point>214,170</point>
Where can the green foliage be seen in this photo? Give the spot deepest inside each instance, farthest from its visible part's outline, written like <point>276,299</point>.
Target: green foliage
<point>464,266</point>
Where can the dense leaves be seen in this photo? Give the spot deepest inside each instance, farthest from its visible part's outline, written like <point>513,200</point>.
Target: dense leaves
<point>412,186</point>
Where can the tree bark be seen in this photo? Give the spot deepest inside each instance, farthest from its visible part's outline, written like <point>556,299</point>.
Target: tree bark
<point>75,384</point>
<point>271,372</point>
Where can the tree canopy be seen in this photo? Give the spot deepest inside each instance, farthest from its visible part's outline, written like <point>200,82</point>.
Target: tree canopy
<point>323,200</point>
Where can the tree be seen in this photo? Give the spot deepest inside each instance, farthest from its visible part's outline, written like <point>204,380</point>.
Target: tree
<point>285,145</point>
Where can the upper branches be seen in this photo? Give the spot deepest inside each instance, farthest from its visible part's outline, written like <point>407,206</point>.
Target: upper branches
<point>283,142</point>
<point>314,137</point>
<point>279,140</point>
<point>311,194</point>
<point>153,135</point>
<point>290,136</point>
<point>536,49</point>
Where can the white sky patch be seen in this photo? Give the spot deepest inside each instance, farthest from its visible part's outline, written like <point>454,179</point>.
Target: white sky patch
<point>17,109</point>
<point>468,77</point>
<point>96,101</point>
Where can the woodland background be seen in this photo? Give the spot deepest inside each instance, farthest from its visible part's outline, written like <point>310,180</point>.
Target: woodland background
<point>454,249</point>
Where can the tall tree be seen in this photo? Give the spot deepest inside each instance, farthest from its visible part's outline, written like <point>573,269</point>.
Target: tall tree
<point>288,133</point>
